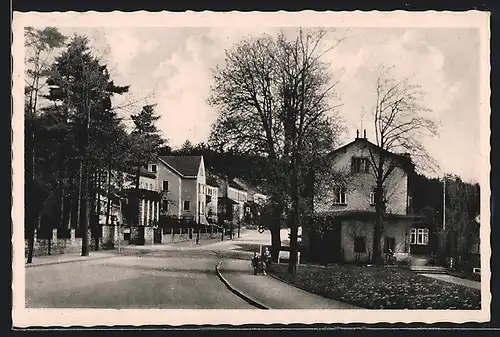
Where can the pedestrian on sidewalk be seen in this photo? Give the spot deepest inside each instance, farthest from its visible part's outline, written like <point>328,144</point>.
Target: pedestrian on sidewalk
<point>255,263</point>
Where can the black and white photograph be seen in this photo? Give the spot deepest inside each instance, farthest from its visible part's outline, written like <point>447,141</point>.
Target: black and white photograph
<point>334,165</point>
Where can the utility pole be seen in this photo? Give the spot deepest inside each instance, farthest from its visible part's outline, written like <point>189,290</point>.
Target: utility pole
<point>444,201</point>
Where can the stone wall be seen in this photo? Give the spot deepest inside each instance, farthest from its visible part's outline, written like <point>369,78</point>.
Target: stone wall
<point>177,236</point>
<point>55,245</point>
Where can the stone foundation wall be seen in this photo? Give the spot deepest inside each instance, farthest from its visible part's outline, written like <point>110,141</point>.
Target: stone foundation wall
<point>55,245</point>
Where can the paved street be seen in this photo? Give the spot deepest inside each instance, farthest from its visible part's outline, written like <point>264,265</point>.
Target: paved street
<point>131,282</point>
<point>174,276</point>
<point>164,277</point>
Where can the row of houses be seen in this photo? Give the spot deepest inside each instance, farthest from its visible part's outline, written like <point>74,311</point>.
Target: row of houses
<point>178,191</point>
<point>176,188</point>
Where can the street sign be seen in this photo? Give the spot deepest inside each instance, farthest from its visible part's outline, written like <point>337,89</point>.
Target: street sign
<point>261,229</point>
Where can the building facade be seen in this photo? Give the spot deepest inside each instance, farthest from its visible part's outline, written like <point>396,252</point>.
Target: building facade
<point>182,181</point>
<point>346,212</point>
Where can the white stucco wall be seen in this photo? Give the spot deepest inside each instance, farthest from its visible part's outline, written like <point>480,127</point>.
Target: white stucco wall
<point>174,185</point>
<point>359,186</point>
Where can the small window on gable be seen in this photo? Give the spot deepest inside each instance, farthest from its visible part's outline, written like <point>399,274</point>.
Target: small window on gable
<point>165,185</point>
<point>187,205</point>
<point>153,168</point>
<point>360,165</point>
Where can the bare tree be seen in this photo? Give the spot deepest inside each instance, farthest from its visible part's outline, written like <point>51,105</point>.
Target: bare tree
<point>400,126</point>
<point>273,95</point>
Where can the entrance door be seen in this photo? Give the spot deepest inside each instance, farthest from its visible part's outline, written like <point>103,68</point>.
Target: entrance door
<point>157,234</point>
<point>332,242</point>
<point>140,236</point>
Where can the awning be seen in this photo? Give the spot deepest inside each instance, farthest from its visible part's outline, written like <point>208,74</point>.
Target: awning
<point>227,201</point>
<point>365,214</point>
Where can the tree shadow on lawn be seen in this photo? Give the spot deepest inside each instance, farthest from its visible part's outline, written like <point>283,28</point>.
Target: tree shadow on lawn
<point>381,287</point>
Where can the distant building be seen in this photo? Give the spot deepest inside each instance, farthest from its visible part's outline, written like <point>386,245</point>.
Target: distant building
<point>182,183</point>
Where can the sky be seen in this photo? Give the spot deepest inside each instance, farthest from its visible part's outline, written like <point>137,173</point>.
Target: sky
<point>171,67</point>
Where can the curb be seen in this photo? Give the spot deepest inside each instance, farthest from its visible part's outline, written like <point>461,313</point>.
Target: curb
<point>236,291</point>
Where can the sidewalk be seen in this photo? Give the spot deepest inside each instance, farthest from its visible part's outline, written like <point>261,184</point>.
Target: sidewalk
<point>70,257</point>
<point>269,292</point>
<point>455,280</point>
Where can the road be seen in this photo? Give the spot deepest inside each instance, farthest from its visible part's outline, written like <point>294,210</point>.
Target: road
<point>152,278</point>
<point>134,282</point>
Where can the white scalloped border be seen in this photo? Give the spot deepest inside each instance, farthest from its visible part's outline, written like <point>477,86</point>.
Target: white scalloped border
<point>23,317</point>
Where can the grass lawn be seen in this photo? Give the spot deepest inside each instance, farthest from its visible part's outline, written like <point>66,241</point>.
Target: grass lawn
<point>381,287</point>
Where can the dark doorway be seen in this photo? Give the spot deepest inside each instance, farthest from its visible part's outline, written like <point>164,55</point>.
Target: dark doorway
<point>157,234</point>
<point>140,235</point>
<point>332,242</point>
<point>390,244</point>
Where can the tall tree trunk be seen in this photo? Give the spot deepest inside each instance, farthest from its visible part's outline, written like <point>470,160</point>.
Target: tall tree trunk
<point>98,210</point>
<point>379,209</point>
<point>275,241</point>
<point>31,243</point>
<point>62,177</point>
<point>137,186</point>
<point>377,232</point>
<point>30,226</point>
<point>294,219</point>
<point>84,209</point>
<point>108,204</point>
<point>80,196</point>
<point>275,228</point>
<point>93,197</point>
<point>377,236</point>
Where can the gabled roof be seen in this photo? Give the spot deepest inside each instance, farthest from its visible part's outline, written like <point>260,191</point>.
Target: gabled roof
<point>237,186</point>
<point>143,172</point>
<point>185,166</point>
<point>146,173</point>
<point>248,187</point>
<point>403,159</point>
<point>212,181</point>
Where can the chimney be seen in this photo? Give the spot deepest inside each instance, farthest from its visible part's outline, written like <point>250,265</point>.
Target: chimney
<point>364,134</point>
<point>357,133</point>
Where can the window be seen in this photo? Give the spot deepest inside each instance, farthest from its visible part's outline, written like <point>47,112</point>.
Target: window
<point>360,165</point>
<point>164,205</point>
<point>340,196</point>
<point>372,196</point>
<point>419,236</point>
<point>151,186</point>
<point>359,245</point>
<point>200,188</point>
<point>153,168</point>
<point>187,205</point>
<point>390,244</point>
<point>165,185</point>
